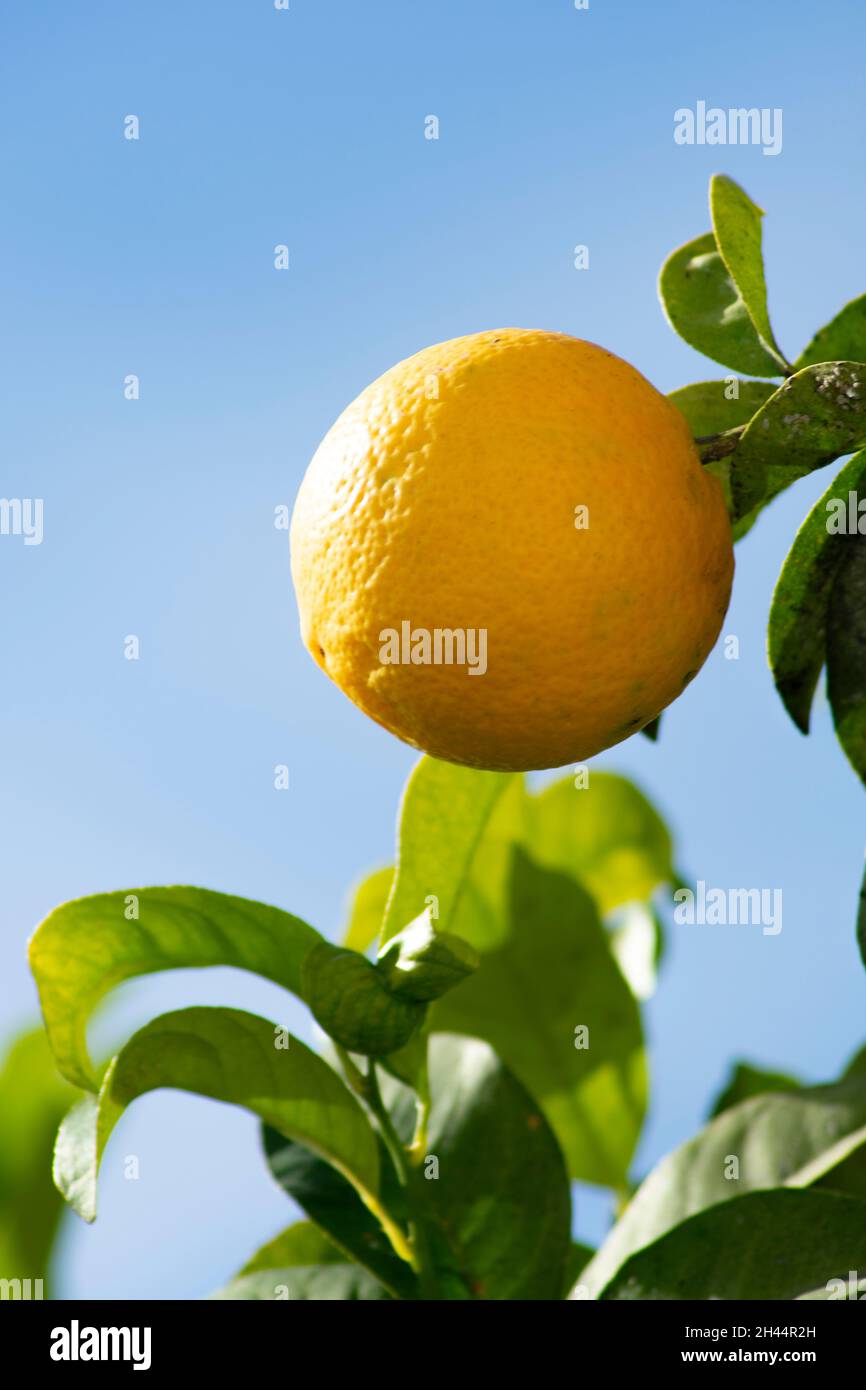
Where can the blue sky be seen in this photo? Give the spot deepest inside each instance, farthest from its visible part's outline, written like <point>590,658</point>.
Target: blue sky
<point>155,257</point>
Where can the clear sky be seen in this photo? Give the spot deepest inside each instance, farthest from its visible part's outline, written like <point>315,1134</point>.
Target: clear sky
<point>155,257</point>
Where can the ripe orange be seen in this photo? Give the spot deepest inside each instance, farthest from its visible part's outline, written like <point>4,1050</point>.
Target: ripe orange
<point>506,551</point>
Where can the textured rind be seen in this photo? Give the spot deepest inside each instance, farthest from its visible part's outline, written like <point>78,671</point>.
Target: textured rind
<point>445,496</point>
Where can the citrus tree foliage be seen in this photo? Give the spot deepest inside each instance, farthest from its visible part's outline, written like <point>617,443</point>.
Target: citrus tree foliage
<point>759,437</point>
<point>485,1050</point>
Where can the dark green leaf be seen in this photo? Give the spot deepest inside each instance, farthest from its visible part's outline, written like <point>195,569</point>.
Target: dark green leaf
<point>350,999</point>
<point>497,1194</point>
<point>578,1258</point>
<point>651,730</point>
<point>765,1245</point>
<point>814,417</point>
<point>705,308</point>
<point>86,947</point>
<point>747,1081</point>
<point>794,1139</point>
<point>843,339</point>
<point>797,634</point>
<point>737,229</point>
<point>336,1208</point>
<point>547,971</point>
<point>233,1057</point>
<point>846,653</point>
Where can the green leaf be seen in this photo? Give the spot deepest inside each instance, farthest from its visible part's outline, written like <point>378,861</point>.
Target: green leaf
<point>578,1258</point>
<point>765,1245</point>
<point>500,1203</point>
<point>797,633</point>
<point>652,729</point>
<point>746,1081</point>
<point>547,970</point>
<point>704,307</point>
<point>737,229</point>
<point>814,417</point>
<point>230,1056</point>
<point>367,909</point>
<point>350,999</point>
<point>708,409</point>
<point>846,654</point>
<point>791,1140</point>
<point>420,963</point>
<point>33,1099</point>
<point>301,1244</point>
<point>335,1207</point>
<point>843,339</point>
<point>607,834</point>
<point>443,814</point>
<point>86,947</point>
<point>328,1283</point>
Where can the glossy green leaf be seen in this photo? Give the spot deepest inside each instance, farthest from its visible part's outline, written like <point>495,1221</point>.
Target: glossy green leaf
<point>442,817</point>
<point>86,947</point>
<point>301,1244</point>
<point>495,1184</point>
<point>350,999</point>
<point>335,1207</point>
<point>797,633</point>
<point>746,1081</point>
<point>816,416</point>
<point>846,653</point>
<point>843,339</point>
<point>33,1099</point>
<point>704,307</point>
<point>737,230</point>
<point>367,909</point>
<point>229,1056</point>
<point>328,1283</point>
<point>547,973</point>
<point>420,963</point>
<point>764,1245</point>
<point>793,1140</point>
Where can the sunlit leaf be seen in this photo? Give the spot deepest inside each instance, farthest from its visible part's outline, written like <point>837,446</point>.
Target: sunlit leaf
<point>86,947</point>
<point>737,229</point>
<point>230,1056</point>
<point>763,1245</point>
<point>704,307</point>
<point>794,1139</point>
